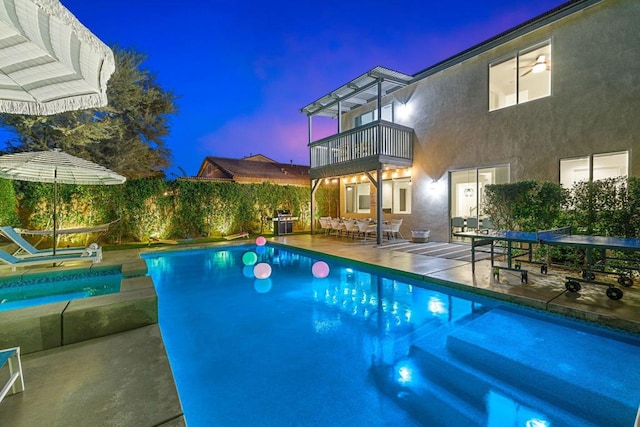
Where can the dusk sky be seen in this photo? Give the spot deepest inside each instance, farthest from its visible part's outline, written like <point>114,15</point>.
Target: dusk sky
<point>243,70</point>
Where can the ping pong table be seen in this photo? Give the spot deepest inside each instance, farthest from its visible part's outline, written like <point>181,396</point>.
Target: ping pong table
<point>518,243</point>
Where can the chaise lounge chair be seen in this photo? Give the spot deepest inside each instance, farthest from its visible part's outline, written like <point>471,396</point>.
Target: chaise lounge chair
<point>12,384</point>
<point>13,261</point>
<point>237,236</point>
<point>28,250</point>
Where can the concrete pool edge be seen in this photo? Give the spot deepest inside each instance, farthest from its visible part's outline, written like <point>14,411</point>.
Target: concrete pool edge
<point>53,325</point>
<point>452,275</point>
<point>457,276</point>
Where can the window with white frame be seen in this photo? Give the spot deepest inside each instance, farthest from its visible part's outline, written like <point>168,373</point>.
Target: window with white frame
<point>595,167</point>
<point>371,116</point>
<point>357,198</point>
<point>396,196</point>
<point>523,77</point>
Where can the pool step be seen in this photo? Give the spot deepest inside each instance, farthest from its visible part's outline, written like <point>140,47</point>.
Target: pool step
<point>428,402</point>
<point>490,396</point>
<point>545,370</point>
<point>553,371</point>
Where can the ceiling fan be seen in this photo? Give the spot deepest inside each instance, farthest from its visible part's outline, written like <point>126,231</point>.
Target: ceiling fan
<point>541,64</point>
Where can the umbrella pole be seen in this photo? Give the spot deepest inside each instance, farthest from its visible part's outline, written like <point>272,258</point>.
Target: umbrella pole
<point>55,212</point>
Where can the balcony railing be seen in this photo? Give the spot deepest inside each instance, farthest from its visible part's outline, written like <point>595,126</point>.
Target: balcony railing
<point>380,139</point>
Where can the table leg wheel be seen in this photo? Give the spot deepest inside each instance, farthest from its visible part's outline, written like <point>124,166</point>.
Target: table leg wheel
<point>614,293</point>
<point>572,286</point>
<point>625,281</point>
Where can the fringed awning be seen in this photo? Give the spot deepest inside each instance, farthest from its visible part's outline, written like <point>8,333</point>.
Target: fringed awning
<point>49,62</point>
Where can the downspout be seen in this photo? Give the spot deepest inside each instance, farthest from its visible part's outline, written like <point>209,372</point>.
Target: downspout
<point>379,171</point>
<point>311,186</point>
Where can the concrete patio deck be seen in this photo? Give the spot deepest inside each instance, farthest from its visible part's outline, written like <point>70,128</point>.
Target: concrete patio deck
<point>125,379</point>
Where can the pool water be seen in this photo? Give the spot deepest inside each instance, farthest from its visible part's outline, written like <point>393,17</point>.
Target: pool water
<point>358,349</point>
<point>46,288</point>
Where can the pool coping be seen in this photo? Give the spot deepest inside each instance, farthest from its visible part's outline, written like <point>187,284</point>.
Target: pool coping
<point>591,306</point>
<point>62,323</point>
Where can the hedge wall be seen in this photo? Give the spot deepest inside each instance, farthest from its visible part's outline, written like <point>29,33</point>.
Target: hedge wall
<point>155,207</point>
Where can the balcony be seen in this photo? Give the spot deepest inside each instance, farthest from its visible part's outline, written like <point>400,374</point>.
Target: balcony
<point>366,148</point>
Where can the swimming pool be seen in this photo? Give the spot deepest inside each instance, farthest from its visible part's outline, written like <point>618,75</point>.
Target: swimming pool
<point>46,288</point>
<point>356,348</point>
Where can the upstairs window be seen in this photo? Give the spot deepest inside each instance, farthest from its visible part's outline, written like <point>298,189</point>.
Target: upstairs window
<point>521,78</point>
<point>371,116</point>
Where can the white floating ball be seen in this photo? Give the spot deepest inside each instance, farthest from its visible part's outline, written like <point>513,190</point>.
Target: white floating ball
<point>262,270</point>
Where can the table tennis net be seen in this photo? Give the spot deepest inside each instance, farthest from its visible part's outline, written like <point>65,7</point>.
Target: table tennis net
<point>546,235</point>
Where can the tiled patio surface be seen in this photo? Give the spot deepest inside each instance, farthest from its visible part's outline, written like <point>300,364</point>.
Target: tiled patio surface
<point>125,378</point>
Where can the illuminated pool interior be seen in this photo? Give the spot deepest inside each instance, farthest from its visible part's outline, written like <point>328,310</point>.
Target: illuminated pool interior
<point>353,348</point>
<point>49,288</point>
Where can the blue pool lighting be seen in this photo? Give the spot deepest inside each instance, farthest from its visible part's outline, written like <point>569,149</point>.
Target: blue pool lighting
<point>358,348</point>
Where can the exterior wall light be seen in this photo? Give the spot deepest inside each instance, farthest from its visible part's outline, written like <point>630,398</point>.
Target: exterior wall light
<point>404,110</point>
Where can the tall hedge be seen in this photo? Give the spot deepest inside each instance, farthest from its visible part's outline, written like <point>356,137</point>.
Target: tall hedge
<point>159,208</point>
<point>8,204</point>
<point>525,205</point>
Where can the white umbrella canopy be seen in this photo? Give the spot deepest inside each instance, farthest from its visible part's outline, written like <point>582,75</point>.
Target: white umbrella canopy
<point>56,167</point>
<point>49,62</point>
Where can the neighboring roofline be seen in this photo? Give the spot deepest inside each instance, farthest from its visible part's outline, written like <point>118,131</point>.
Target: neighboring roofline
<point>519,30</point>
<point>550,16</point>
<point>244,159</point>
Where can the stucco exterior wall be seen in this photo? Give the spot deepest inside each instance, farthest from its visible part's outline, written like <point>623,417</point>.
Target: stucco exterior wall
<point>594,108</point>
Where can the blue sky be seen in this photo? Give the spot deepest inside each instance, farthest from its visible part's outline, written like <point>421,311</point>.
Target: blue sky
<point>243,70</point>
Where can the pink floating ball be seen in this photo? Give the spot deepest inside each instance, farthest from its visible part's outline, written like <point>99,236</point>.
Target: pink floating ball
<point>262,270</point>
<point>261,241</point>
<point>320,269</point>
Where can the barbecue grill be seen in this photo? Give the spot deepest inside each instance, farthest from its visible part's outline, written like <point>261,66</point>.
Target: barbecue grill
<point>283,222</point>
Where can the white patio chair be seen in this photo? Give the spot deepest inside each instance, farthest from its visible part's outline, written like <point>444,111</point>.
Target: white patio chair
<point>351,226</point>
<point>392,229</point>
<point>337,226</point>
<point>325,224</point>
<point>365,228</point>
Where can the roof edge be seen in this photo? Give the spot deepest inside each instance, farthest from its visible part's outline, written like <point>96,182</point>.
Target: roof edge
<point>519,30</point>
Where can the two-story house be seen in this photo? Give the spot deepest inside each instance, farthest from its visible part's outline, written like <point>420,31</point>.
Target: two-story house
<point>555,98</point>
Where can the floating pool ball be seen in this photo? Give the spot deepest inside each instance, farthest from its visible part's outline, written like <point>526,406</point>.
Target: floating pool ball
<point>320,269</point>
<point>262,286</point>
<point>262,270</point>
<point>261,241</point>
<point>249,258</point>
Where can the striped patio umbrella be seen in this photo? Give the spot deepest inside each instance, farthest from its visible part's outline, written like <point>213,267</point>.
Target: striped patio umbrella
<point>49,62</point>
<point>56,167</point>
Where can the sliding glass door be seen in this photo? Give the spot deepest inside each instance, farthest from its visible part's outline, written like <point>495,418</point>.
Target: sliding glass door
<point>467,193</point>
